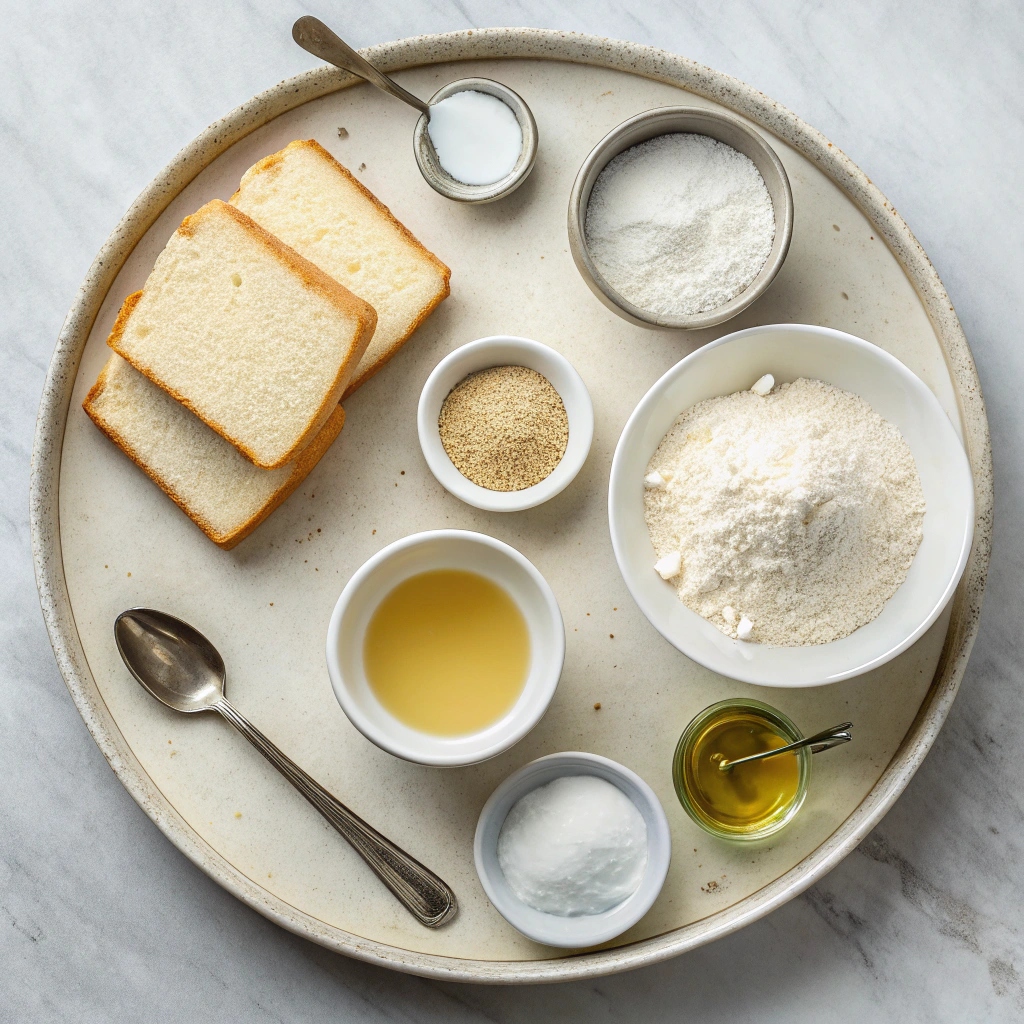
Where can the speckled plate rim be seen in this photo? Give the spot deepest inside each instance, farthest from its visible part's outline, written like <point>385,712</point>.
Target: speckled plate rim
<point>530,44</point>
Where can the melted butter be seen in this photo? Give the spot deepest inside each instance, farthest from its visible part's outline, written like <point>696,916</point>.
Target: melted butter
<point>447,652</point>
<point>746,797</point>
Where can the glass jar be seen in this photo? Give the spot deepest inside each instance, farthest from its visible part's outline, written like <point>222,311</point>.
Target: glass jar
<point>759,798</point>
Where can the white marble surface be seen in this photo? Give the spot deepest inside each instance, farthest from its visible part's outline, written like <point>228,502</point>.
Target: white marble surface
<point>102,920</point>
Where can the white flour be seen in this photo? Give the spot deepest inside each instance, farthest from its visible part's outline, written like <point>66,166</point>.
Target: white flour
<point>795,515</point>
<point>680,224</point>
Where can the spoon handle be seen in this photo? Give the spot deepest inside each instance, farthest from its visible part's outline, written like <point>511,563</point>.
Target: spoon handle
<point>316,38</point>
<point>824,740</point>
<point>422,893</point>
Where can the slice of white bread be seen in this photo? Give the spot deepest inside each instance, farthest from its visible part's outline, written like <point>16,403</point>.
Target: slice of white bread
<point>258,342</point>
<point>223,493</point>
<point>312,203</point>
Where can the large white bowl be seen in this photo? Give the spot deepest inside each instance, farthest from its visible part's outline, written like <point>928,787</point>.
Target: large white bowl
<point>506,350</point>
<point>422,552</point>
<point>571,932</point>
<point>789,351</point>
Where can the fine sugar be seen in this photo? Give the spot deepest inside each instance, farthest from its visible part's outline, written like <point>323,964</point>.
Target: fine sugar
<point>787,516</point>
<point>575,846</point>
<point>680,224</point>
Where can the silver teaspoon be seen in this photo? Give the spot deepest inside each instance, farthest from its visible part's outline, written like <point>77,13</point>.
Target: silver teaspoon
<point>316,38</point>
<point>183,670</point>
<point>824,740</point>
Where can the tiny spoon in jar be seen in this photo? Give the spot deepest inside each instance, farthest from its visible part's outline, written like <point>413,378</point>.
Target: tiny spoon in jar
<point>824,740</point>
<point>182,669</point>
<point>316,38</point>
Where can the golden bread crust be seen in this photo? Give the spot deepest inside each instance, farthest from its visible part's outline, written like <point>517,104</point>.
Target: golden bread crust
<point>306,460</point>
<point>313,278</point>
<point>268,162</point>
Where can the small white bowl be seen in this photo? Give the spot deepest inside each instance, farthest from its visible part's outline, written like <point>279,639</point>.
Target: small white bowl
<point>571,932</point>
<point>789,351</point>
<point>504,350</point>
<point>422,552</point>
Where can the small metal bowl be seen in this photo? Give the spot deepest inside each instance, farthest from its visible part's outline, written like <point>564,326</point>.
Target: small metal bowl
<point>664,121</point>
<point>451,188</point>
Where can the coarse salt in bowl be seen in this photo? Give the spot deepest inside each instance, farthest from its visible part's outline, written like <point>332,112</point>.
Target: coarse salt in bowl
<point>788,352</point>
<point>506,350</point>
<point>585,930</point>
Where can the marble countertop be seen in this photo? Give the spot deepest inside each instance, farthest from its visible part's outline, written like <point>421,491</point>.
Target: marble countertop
<point>101,919</point>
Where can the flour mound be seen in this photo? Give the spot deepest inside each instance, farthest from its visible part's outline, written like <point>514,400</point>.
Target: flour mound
<point>680,224</point>
<point>800,511</point>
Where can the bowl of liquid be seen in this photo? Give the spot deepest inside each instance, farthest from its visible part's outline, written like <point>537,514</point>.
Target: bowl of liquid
<point>445,648</point>
<point>479,143</point>
<point>749,801</point>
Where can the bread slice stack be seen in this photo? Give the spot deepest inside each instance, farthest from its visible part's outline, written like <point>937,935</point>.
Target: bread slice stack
<point>306,198</point>
<point>229,365</point>
<point>207,477</point>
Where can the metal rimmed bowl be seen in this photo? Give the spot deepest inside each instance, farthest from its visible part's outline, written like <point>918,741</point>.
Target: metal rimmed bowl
<point>665,121</point>
<point>441,181</point>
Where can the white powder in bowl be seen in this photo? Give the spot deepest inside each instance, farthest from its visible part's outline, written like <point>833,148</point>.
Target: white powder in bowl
<point>572,847</point>
<point>680,224</point>
<point>795,514</point>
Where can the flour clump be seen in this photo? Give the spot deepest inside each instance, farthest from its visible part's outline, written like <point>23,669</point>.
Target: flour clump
<point>794,514</point>
<point>680,224</point>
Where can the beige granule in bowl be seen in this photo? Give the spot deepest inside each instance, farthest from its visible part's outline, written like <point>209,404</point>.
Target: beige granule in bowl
<point>504,428</point>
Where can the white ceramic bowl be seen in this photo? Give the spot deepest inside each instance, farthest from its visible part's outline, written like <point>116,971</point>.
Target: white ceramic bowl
<point>789,351</point>
<point>504,350</point>
<point>571,932</point>
<point>422,552</point>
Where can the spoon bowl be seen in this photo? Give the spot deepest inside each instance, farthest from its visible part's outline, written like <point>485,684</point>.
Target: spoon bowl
<point>171,659</point>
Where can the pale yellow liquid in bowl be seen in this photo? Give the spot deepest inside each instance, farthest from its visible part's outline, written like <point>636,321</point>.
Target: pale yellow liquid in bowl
<point>447,652</point>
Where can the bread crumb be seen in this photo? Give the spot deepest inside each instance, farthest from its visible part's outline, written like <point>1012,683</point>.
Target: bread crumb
<point>505,428</point>
<point>597,706</point>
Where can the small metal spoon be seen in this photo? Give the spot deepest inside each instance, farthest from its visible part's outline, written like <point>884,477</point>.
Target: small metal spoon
<point>183,670</point>
<point>316,38</point>
<point>824,740</point>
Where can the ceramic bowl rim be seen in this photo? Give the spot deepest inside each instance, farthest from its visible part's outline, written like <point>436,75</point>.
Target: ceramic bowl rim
<point>738,668</point>
<point>573,932</point>
<point>547,361</point>
<point>523,718</point>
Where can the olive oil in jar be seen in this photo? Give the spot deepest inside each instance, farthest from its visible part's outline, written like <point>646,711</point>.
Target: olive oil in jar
<point>751,800</point>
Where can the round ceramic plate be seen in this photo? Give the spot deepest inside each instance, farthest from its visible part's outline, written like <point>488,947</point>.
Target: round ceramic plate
<point>106,539</point>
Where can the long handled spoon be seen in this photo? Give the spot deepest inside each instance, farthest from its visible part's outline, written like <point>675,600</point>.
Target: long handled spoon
<point>316,38</point>
<point>183,670</point>
<point>820,741</point>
